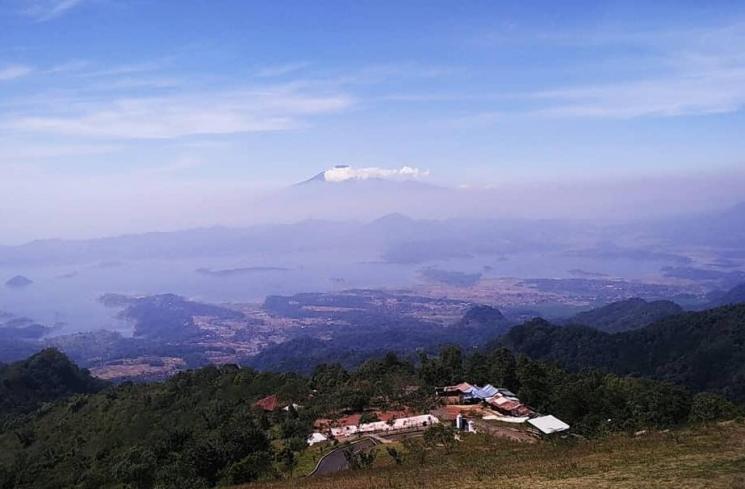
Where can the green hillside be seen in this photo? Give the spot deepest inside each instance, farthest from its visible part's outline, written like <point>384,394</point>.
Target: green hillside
<point>626,315</point>
<point>195,430</point>
<point>701,350</point>
<point>46,376</point>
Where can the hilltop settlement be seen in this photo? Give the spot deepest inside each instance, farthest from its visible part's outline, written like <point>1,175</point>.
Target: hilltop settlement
<point>466,407</point>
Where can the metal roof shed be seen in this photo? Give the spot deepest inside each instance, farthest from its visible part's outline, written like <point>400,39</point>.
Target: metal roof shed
<point>506,392</point>
<point>485,392</point>
<point>549,424</point>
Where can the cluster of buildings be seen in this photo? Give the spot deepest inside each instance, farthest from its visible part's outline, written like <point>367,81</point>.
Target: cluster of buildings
<point>387,422</point>
<point>500,399</point>
<point>463,403</point>
<point>500,405</point>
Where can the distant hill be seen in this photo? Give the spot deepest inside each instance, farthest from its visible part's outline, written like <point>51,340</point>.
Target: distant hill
<point>12,349</point>
<point>20,328</point>
<point>19,337</point>
<point>351,348</point>
<point>455,279</point>
<point>376,335</point>
<point>484,319</point>
<point>626,315</point>
<point>702,350</point>
<point>483,315</point>
<point>735,295</point>
<point>721,278</point>
<point>725,228</point>
<point>31,331</point>
<point>302,354</point>
<point>46,376</point>
<point>394,237</point>
<point>19,281</point>
<point>167,317</point>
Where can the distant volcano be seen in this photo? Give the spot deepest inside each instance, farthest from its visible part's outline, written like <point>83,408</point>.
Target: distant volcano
<point>18,282</point>
<point>321,177</point>
<point>345,192</point>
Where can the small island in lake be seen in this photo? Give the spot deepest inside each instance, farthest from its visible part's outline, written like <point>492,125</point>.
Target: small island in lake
<point>19,281</point>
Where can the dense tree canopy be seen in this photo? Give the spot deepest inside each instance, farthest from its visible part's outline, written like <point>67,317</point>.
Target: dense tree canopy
<point>43,377</point>
<point>701,350</point>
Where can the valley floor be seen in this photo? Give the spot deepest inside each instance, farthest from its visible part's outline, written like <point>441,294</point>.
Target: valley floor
<point>705,457</point>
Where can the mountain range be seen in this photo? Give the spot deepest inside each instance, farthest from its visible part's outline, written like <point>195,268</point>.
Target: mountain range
<point>388,234</point>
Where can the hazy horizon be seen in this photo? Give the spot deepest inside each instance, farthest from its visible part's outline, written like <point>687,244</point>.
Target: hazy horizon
<point>157,207</point>
<point>112,122</point>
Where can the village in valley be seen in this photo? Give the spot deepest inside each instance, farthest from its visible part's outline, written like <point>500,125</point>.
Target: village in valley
<point>463,408</point>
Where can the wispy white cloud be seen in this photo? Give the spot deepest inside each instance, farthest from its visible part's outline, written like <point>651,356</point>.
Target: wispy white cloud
<point>14,72</point>
<point>382,73</point>
<point>14,152</point>
<point>683,72</point>
<point>712,92</point>
<point>281,69</point>
<point>702,73</point>
<point>128,83</point>
<point>43,10</point>
<point>126,69</point>
<point>68,67</point>
<point>217,112</point>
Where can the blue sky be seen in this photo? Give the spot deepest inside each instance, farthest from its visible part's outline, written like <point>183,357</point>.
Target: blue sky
<point>207,93</point>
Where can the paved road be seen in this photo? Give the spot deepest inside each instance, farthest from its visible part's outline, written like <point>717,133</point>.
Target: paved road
<point>335,461</point>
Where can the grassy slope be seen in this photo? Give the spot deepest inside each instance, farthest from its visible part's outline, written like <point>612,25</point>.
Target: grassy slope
<point>706,457</point>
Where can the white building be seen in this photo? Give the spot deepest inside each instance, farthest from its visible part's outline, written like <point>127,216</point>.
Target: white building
<point>400,424</point>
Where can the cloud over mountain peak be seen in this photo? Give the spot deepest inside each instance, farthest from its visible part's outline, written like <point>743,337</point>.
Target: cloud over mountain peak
<point>342,173</point>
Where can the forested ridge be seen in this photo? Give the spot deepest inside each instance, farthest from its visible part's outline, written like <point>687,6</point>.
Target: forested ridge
<point>626,315</point>
<point>701,350</point>
<point>43,377</point>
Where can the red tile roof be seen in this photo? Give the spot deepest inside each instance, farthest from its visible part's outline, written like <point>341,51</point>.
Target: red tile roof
<point>463,387</point>
<point>524,410</point>
<point>269,403</point>
<point>325,423</point>
<point>351,420</point>
<point>507,406</point>
<point>322,423</point>
<point>451,411</point>
<point>389,415</point>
